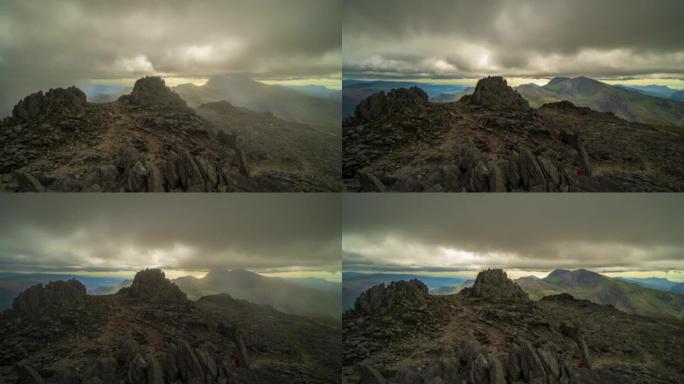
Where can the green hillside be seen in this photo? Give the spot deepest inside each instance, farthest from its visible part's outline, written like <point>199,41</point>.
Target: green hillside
<point>625,296</point>
<point>586,92</point>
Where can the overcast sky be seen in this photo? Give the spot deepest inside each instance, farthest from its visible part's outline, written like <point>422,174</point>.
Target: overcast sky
<point>523,38</point>
<point>533,232</point>
<point>58,43</point>
<point>82,232</point>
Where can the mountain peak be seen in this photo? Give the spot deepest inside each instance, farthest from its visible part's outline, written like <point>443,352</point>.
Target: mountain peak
<point>494,283</point>
<point>151,91</point>
<point>494,92</point>
<point>153,284</point>
<point>557,80</point>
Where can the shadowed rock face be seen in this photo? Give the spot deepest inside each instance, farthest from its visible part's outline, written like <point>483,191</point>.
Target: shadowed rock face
<point>150,333</point>
<point>493,284</point>
<point>152,284</point>
<point>396,295</point>
<point>397,101</point>
<point>493,334</point>
<point>54,294</point>
<point>152,92</point>
<point>58,101</point>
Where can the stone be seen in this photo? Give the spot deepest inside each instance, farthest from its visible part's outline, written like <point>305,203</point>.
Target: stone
<point>28,375</point>
<point>28,183</point>
<point>370,183</point>
<point>370,375</point>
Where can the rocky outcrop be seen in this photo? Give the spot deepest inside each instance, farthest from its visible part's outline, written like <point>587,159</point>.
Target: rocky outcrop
<point>494,93</point>
<point>494,284</point>
<point>395,103</point>
<point>148,141</point>
<point>398,294</point>
<point>152,92</point>
<point>493,141</point>
<point>59,101</point>
<point>151,284</point>
<point>55,294</point>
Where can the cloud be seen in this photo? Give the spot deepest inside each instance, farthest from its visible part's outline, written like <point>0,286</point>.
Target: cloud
<point>109,233</point>
<point>533,232</point>
<point>47,43</point>
<point>516,38</point>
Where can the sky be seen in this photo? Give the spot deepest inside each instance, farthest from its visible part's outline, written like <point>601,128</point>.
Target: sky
<point>293,235</point>
<point>459,234</point>
<point>445,39</point>
<point>47,44</point>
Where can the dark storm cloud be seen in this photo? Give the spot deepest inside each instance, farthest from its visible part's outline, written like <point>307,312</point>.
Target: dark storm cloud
<point>59,43</point>
<point>89,232</point>
<point>534,232</point>
<point>524,38</point>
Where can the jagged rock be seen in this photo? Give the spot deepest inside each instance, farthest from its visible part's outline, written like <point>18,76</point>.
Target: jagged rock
<point>151,91</point>
<point>28,375</point>
<point>370,182</point>
<point>54,294</point>
<point>493,283</point>
<point>395,102</point>
<point>396,295</point>
<point>55,101</point>
<point>370,375</point>
<point>28,183</point>
<point>152,284</point>
<point>494,92</point>
<point>189,366</point>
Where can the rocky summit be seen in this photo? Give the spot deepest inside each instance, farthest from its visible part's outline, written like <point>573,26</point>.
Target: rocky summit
<point>493,141</point>
<point>493,283</point>
<point>147,141</point>
<point>492,333</point>
<point>150,333</point>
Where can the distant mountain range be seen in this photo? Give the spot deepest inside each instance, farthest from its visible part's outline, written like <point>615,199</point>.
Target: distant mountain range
<point>624,103</point>
<point>306,297</point>
<point>282,294</point>
<point>651,104</point>
<point>296,105</point>
<point>625,296</point>
<point>656,297</point>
